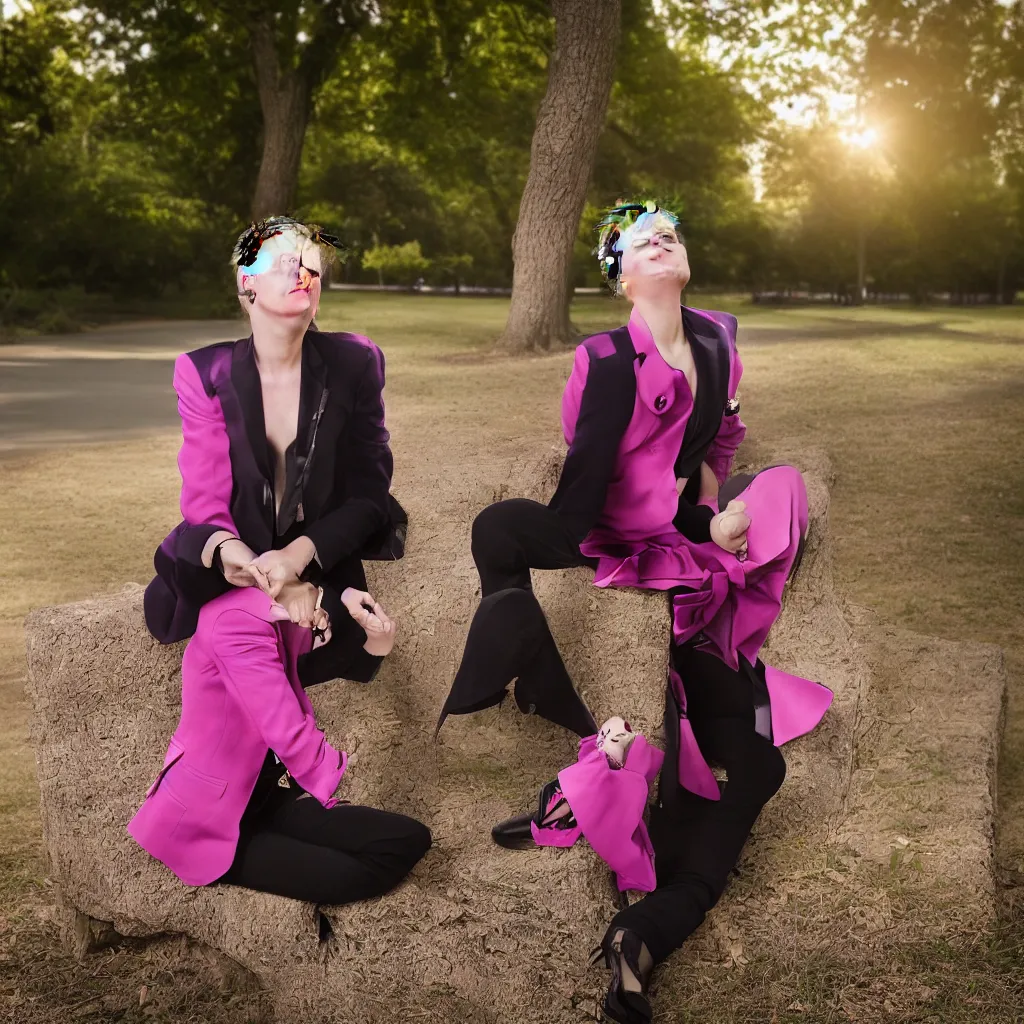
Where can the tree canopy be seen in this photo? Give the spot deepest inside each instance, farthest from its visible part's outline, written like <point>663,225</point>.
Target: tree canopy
<point>137,137</point>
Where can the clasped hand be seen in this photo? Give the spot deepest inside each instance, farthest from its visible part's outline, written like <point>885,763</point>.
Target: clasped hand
<point>729,528</point>
<point>380,630</point>
<point>298,602</point>
<point>274,569</point>
<point>277,573</point>
<point>270,571</point>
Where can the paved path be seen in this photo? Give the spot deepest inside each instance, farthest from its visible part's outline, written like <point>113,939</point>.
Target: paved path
<point>97,386</point>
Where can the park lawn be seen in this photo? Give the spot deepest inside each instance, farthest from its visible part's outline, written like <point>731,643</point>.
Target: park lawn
<point>923,417</point>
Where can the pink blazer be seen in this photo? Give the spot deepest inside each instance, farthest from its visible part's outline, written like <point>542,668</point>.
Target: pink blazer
<point>236,704</point>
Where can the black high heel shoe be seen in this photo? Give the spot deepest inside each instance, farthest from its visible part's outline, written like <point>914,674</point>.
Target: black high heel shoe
<point>516,833</point>
<point>620,1005</point>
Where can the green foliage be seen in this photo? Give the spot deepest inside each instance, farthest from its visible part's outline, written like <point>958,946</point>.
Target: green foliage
<point>131,138</point>
<point>402,264</point>
<point>88,206</point>
<point>677,130</point>
<point>425,133</point>
<point>937,199</point>
<point>187,93</point>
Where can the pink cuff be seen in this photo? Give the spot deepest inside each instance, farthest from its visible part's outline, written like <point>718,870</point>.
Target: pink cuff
<point>551,836</point>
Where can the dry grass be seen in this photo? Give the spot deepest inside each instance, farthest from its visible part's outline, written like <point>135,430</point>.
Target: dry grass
<point>922,415</point>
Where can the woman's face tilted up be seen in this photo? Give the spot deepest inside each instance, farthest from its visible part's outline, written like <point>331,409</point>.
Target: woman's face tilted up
<point>653,258</point>
<point>285,278</point>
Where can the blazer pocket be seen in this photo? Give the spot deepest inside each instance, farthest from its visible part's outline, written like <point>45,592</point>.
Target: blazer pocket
<point>157,820</point>
<point>174,752</point>
<point>195,788</point>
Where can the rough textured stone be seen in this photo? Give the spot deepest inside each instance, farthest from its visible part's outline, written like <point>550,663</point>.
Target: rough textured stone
<point>907,753</point>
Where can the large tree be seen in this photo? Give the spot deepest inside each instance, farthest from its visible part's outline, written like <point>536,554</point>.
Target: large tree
<point>569,124</point>
<point>293,52</point>
<point>756,43</point>
<point>177,47</point>
<point>423,133</point>
<point>677,130</point>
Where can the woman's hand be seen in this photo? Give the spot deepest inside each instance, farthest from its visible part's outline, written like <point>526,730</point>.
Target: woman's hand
<point>299,601</point>
<point>380,643</point>
<point>362,607</point>
<point>235,558</point>
<point>275,569</point>
<point>380,630</point>
<point>729,529</point>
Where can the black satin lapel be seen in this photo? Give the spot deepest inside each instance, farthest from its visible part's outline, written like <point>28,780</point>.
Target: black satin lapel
<point>245,376</point>
<point>705,366</point>
<point>711,358</point>
<point>312,387</point>
<point>668,780</point>
<point>762,700</point>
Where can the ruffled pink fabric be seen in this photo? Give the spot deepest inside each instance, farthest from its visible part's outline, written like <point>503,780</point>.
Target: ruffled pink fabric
<point>733,603</point>
<point>608,804</point>
<point>797,704</point>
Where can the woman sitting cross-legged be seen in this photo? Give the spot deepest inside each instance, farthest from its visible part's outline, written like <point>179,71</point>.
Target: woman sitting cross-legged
<point>285,477</point>
<point>246,794</point>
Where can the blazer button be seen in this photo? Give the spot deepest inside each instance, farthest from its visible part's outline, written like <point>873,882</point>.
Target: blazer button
<point>660,402</point>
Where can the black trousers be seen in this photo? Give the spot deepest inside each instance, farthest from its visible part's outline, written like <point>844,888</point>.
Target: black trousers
<point>291,845</point>
<point>509,636</point>
<point>512,537</point>
<point>697,842</point>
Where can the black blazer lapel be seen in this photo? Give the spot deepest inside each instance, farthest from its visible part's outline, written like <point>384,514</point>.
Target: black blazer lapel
<point>300,500</point>
<point>710,350</point>
<point>606,409</point>
<point>252,505</point>
<point>245,376</point>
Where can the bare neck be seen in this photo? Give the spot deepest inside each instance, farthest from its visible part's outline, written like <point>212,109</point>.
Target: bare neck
<point>278,346</point>
<point>664,320</point>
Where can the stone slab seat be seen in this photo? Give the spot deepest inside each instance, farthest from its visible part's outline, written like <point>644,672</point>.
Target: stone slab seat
<point>477,933</point>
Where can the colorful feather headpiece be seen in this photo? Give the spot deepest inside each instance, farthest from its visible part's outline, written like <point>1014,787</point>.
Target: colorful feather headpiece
<point>613,227</point>
<point>247,248</point>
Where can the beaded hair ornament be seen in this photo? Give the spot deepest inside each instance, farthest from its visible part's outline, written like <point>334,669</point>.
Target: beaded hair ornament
<point>613,228</point>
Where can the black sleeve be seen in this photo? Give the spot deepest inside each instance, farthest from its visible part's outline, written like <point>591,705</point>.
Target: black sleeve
<point>193,580</point>
<point>606,407</point>
<point>693,521</point>
<point>182,584</point>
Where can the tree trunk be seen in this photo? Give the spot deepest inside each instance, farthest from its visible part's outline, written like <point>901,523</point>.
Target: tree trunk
<point>285,102</point>
<point>569,123</point>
